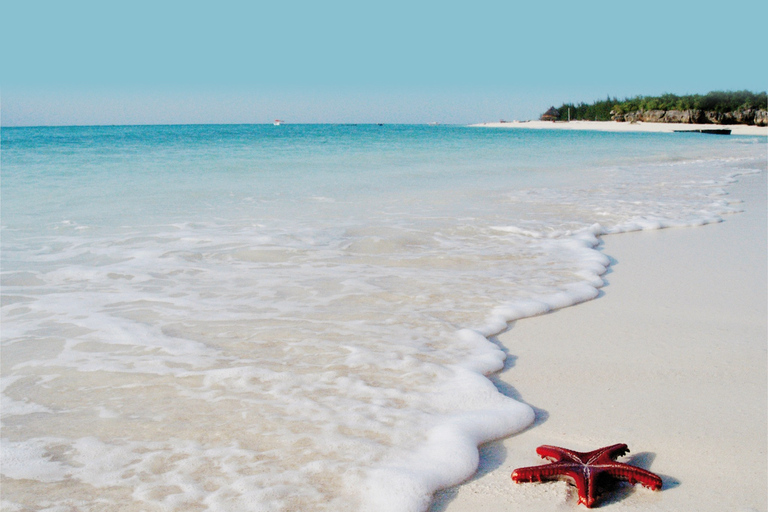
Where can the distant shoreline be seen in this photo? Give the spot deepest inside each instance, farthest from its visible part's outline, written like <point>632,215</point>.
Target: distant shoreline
<point>613,126</point>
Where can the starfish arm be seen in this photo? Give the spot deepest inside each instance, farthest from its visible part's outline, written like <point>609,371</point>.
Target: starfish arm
<point>633,475</point>
<point>586,485</point>
<point>552,471</point>
<point>617,450</point>
<point>529,474</point>
<point>585,479</point>
<point>556,453</point>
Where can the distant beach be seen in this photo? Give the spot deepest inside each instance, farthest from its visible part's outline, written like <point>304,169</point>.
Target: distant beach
<point>612,126</point>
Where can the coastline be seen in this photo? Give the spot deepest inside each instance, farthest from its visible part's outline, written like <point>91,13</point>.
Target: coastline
<point>670,360</point>
<point>612,126</point>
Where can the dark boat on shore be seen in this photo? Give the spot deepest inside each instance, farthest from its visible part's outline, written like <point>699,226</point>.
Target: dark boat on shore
<point>711,131</point>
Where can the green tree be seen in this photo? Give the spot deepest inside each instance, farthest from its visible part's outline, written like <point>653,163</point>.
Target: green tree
<point>714,101</point>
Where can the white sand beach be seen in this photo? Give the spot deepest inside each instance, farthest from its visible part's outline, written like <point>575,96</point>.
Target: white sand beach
<point>611,126</point>
<point>670,359</point>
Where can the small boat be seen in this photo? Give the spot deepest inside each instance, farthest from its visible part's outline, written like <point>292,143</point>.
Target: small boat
<point>277,122</point>
<point>711,131</point>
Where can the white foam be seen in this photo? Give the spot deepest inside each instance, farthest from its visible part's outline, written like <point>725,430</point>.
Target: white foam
<point>30,460</point>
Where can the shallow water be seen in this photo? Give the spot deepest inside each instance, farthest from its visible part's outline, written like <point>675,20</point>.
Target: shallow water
<point>296,317</point>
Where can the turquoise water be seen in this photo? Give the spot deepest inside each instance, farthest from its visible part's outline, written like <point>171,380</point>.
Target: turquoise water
<point>296,317</point>
<point>163,173</point>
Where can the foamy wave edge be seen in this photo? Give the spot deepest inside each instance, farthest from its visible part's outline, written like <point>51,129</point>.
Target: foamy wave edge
<point>450,456</point>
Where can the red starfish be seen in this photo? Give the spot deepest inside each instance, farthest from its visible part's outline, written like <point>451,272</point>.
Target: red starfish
<point>586,470</point>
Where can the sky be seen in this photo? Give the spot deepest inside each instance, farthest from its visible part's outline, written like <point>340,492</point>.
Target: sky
<point>225,61</point>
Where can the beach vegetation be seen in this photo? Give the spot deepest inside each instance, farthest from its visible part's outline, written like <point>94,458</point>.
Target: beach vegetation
<point>715,101</point>
<point>597,111</point>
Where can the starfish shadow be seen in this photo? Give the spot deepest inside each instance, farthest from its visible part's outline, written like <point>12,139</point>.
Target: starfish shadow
<point>644,460</point>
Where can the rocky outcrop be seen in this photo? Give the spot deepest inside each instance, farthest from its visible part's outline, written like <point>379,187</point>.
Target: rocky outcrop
<point>683,116</point>
<point>746,116</point>
<point>629,117</point>
<point>653,116</point>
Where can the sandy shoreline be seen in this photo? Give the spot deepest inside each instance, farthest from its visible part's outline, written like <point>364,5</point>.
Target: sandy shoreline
<point>670,359</point>
<point>611,126</point>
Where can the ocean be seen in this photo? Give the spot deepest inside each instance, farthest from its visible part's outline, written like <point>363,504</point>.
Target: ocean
<point>299,317</point>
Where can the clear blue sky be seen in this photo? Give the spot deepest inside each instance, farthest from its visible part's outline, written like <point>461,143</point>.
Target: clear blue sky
<point>135,62</point>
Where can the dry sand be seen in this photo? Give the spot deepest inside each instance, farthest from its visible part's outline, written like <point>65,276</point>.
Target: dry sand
<point>611,126</point>
<point>670,359</point>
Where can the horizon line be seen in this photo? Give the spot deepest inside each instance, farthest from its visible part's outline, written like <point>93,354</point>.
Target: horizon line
<point>282,123</point>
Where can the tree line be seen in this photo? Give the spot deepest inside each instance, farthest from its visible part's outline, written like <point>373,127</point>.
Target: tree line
<point>715,101</point>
